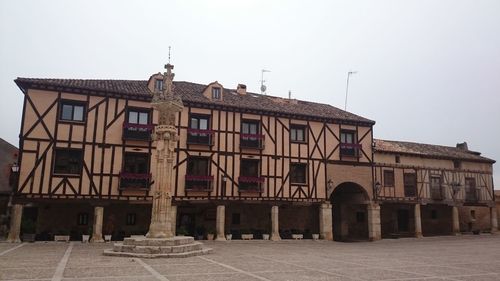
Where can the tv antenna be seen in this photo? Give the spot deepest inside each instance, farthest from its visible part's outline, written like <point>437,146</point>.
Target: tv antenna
<point>169,54</point>
<point>263,87</point>
<point>347,87</point>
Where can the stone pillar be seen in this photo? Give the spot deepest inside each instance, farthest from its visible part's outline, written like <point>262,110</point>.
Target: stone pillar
<point>374,229</point>
<point>494,220</point>
<point>325,221</point>
<point>275,228</point>
<point>15,224</point>
<point>97,227</point>
<point>456,221</point>
<point>220,223</point>
<point>418,221</point>
<point>173,219</point>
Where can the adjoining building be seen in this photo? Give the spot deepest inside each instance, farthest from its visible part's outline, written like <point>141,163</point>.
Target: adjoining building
<point>244,161</point>
<point>8,179</point>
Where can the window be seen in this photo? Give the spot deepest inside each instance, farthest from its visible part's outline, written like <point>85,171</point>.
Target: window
<point>83,219</point>
<point>136,163</point>
<point>250,179</point>
<point>348,143</point>
<point>298,133</point>
<point>388,178</point>
<point>249,167</point>
<point>398,159</point>
<point>250,136</point>
<point>199,130</point>
<point>457,164</point>
<point>216,93</point>
<point>158,84</point>
<point>410,184</point>
<point>198,176</point>
<point>131,219</point>
<point>235,219</point>
<point>73,111</point>
<point>470,189</point>
<point>138,117</point>
<point>436,188</point>
<point>68,161</point>
<point>298,173</point>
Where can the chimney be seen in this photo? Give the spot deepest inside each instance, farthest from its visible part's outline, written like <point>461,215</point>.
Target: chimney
<point>242,89</point>
<point>462,146</point>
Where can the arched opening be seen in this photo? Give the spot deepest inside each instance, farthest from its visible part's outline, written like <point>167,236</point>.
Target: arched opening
<point>350,213</point>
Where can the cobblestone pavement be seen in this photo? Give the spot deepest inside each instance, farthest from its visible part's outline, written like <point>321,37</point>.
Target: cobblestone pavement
<point>431,258</point>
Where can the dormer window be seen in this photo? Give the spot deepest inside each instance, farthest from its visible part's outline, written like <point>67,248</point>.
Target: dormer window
<point>158,84</point>
<point>216,93</point>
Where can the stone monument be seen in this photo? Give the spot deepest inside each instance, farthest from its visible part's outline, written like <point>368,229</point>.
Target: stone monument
<point>160,240</point>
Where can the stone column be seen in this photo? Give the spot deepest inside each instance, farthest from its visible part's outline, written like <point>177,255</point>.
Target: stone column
<point>374,230</point>
<point>494,220</point>
<point>15,224</point>
<point>220,223</point>
<point>456,221</point>
<point>275,229</point>
<point>418,221</point>
<point>173,219</point>
<point>97,227</point>
<point>325,221</point>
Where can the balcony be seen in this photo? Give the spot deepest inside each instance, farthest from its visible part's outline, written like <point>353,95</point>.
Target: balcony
<point>350,149</point>
<point>253,141</point>
<point>141,132</point>
<point>199,183</point>
<point>201,137</point>
<point>133,181</point>
<point>250,184</point>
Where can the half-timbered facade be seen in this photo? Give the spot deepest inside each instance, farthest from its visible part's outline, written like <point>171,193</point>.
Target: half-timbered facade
<point>428,189</point>
<point>245,164</point>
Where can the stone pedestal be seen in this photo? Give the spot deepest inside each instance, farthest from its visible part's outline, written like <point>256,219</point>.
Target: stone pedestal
<point>15,224</point>
<point>142,247</point>
<point>97,227</point>
<point>374,228</point>
<point>220,223</point>
<point>456,221</point>
<point>494,220</point>
<point>418,222</point>
<point>173,220</point>
<point>275,229</point>
<point>325,221</point>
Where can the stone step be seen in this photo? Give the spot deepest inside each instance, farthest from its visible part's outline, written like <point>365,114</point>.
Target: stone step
<point>120,247</point>
<point>161,255</point>
<point>143,241</point>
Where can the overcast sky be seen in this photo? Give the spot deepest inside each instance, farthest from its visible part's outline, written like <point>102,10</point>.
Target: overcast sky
<point>428,71</point>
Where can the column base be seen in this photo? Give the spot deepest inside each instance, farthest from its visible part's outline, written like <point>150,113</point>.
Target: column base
<point>16,240</point>
<point>418,235</point>
<point>220,238</point>
<point>275,237</point>
<point>96,239</point>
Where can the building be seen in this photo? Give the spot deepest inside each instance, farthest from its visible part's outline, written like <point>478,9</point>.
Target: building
<point>8,167</point>
<point>431,189</point>
<point>251,163</point>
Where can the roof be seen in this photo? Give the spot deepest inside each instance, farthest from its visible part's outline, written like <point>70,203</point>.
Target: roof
<point>428,150</point>
<point>192,92</point>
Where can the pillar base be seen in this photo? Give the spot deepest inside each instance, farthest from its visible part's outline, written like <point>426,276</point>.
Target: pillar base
<point>275,237</point>
<point>418,235</point>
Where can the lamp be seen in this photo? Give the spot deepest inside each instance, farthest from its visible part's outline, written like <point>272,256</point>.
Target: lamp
<point>377,186</point>
<point>14,168</point>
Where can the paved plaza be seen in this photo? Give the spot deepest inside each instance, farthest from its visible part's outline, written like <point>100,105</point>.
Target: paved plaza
<point>433,258</point>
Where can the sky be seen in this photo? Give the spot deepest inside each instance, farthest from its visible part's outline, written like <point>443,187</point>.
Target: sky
<point>427,70</point>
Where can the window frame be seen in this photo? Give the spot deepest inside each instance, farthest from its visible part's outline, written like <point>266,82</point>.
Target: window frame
<point>131,219</point>
<point>389,181</point>
<point>138,110</point>
<point>191,158</point>
<point>72,103</point>
<point>355,153</point>
<point>65,174</point>
<point>216,93</point>
<point>298,127</point>
<point>158,82</point>
<point>406,187</point>
<point>148,162</point>
<point>306,173</point>
<point>82,219</point>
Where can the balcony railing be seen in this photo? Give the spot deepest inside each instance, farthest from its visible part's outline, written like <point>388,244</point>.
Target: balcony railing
<point>137,131</point>
<point>198,183</point>
<point>250,184</point>
<point>350,149</point>
<point>252,141</point>
<point>198,136</point>
<point>134,180</point>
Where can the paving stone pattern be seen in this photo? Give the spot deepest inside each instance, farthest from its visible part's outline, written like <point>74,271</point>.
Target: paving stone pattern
<point>430,258</point>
